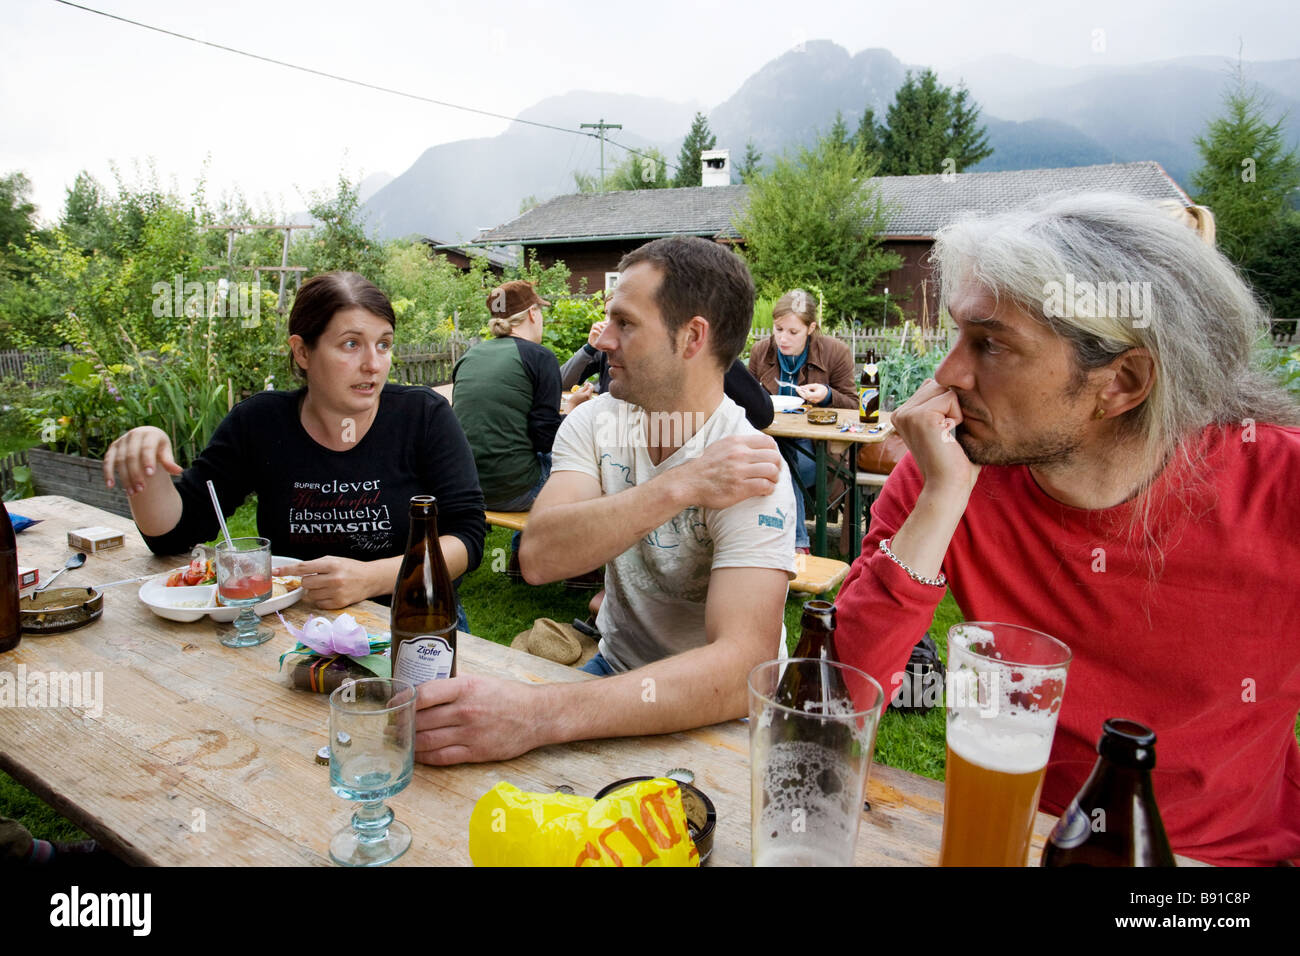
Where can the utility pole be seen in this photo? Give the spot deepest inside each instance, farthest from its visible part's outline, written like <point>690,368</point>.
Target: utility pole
<point>602,126</point>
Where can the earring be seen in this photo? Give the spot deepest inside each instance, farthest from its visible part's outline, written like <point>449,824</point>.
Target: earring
<point>1099,414</point>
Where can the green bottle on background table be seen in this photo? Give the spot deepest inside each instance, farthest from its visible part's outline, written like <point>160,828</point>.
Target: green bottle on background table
<point>423,621</point>
<point>869,391</point>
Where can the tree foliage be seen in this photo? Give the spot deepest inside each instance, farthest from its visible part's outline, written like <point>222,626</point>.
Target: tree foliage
<point>341,241</point>
<point>751,164</point>
<point>1273,265</point>
<point>17,212</point>
<point>1249,175</point>
<point>929,128</point>
<point>644,169</point>
<point>698,139</point>
<point>813,220</point>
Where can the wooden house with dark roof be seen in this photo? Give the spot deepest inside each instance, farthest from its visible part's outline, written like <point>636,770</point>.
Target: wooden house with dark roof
<point>590,232</point>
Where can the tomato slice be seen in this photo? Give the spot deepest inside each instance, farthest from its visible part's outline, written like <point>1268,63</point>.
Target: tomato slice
<point>175,579</point>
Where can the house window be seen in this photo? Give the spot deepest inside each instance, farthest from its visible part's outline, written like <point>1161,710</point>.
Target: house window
<point>611,280</point>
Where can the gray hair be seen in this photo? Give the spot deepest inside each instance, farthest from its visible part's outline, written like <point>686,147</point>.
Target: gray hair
<point>1171,293</point>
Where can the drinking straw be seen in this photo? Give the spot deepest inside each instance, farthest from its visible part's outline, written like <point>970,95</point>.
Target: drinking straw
<point>221,519</point>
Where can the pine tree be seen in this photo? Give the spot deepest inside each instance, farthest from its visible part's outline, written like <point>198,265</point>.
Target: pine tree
<point>838,137</point>
<point>928,129</point>
<point>867,138</point>
<point>697,141</point>
<point>748,167</point>
<point>1249,174</point>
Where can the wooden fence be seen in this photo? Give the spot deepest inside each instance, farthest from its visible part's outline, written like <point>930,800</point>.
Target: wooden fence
<point>429,364</point>
<point>36,367</point>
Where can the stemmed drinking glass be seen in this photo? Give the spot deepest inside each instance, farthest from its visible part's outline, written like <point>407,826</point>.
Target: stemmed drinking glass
<point>244,580</point>
<point>372,752</point>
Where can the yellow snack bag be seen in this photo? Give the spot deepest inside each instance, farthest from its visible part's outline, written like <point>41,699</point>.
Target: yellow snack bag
<point>642,824</point>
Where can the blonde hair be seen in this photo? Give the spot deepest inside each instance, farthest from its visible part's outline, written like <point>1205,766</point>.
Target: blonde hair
<point>502,327</point>
<point>1194,217</point>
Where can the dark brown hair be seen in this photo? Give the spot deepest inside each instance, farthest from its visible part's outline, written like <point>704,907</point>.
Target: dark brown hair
<point>701,278</point>
<point>322,296</point>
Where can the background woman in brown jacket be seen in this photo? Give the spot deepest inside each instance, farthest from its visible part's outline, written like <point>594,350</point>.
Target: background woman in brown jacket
<point>795,360</point>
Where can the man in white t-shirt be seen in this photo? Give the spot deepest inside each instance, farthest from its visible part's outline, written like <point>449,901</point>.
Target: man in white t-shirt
<point>663,481</point>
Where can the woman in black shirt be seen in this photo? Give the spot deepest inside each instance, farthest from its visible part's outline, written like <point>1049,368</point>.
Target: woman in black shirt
<point>334,464</point>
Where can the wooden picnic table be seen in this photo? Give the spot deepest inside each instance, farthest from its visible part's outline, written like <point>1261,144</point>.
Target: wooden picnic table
<point>830,443</point>
<point>201,755</point>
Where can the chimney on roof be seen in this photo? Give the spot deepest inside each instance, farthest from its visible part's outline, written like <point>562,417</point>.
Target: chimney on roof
<point>715,167</point>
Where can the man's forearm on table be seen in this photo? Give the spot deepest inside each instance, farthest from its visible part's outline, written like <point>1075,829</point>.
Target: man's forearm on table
<point>694,689</point>
<point>564,540</point>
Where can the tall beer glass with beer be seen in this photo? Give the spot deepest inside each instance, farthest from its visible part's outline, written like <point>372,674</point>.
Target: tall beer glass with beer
<point>1004,691</point>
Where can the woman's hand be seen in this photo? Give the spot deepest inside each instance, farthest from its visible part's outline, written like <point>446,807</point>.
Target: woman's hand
<point>813,394</point>
<point>596,329</point>
<point>137,456</point>
<point>581,395</point>
<point>333,582</point>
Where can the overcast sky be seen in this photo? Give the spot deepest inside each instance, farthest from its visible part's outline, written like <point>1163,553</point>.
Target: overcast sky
<point>80,90</point>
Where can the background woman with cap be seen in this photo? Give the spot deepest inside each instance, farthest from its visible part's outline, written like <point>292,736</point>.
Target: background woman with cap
<point>507,397</point>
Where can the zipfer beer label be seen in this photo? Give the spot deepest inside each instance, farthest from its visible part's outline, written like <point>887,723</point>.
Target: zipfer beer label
<point>865,397</point>
<point>423,658</point>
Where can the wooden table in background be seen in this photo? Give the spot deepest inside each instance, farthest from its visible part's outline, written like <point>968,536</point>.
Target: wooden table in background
<point>795,425</point>
<point>202,755</point>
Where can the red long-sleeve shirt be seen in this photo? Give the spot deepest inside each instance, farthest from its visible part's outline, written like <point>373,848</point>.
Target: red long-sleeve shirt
<point>1208,655</point>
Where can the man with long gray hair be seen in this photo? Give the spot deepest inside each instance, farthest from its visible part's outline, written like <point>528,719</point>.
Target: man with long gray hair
<point>1100,458</point>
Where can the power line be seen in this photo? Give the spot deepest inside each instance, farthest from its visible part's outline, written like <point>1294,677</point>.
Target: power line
<point>341,79</point>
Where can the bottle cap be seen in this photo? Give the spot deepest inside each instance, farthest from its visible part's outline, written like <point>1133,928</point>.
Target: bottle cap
<point>1128,743</point>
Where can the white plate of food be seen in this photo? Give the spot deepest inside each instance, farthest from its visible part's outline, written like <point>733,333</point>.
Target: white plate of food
<point>786,403</point>
<point>188,602</point>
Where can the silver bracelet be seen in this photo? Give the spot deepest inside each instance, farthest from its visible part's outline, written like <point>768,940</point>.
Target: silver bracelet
<point>938,582</point>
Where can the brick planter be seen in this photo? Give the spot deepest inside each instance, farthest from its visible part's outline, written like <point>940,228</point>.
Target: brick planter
<point>72,476</point>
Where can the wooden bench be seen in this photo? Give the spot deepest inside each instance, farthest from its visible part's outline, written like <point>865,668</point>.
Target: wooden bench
<point>514,520</point>
<point>814,575</point>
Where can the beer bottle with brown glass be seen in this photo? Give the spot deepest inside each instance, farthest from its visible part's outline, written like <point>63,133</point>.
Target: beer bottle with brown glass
<point>1113,821</point>
<point>10,625</point>
<point>812,689</point>
<point>423,619</point>
<point>869,391</point>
